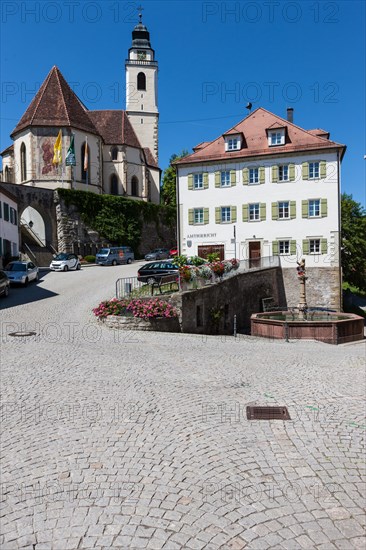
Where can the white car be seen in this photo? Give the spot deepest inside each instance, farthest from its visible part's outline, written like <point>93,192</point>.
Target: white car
<point>21,272</point>
<point>64,262</point>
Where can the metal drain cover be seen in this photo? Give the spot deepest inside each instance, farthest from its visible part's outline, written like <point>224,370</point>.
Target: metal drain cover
<point>22,334</point>
<point>267,413</point>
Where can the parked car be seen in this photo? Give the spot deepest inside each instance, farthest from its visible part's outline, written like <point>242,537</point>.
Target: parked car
<point>22,272</point>
<point>158,254</point>
<point>151,272</point>
<point>64,262</point>
<point>173,252</point>
<point>4,284</point>
<point>115,255</point>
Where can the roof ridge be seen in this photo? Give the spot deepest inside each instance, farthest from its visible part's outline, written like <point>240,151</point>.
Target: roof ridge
<point>46,82</point>
<point>62,94</point>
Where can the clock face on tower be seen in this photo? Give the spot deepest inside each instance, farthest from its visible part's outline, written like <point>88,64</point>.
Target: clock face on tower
<point>141,55</point>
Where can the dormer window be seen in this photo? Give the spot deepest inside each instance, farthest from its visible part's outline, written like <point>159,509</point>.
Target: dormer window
<point>233,143</point>
<point>276,137</point>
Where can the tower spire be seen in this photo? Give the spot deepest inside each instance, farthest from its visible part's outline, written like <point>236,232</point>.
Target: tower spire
<point>140,8</point>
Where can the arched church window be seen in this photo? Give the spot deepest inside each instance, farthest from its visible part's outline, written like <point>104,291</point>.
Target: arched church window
<point>134,186</point>
<point>23,162</point>
<point>6,173</point>
<point>114,185</point>
<point>85,163</point>
<point>114,153</point>
<point>141,81</point>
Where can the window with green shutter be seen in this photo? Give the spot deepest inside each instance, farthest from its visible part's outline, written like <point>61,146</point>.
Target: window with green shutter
<point>6,212</point>
<point>233,177</point>
<point>217,179</point>
<point>323,169</point>
<point>274,248</point>
<point>305,246</point>
<point>205,180</point>
<point>324,208</point>
<point>1,213</point>
<point>275,174</point>
<point>292,209</point>
<point>245,176</point>
<point>262,174</point>
<point>190,182</point>
<point>305,170</point>
<point>218,214</point>
<point>206,216</point>
<point>292,247</point>
<point>323,246</point>
<point>262,210</point>
<point>291,171</point>
<point>274,211</point>
<point>233,214</point>
<point>191,216</point>
<point>305,208</point>
<point>245,210</point>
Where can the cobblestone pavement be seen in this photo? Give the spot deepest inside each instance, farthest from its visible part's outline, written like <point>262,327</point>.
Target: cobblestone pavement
<point>140,440</point>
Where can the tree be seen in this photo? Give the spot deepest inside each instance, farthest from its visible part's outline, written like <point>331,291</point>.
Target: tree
<point>168,189</point>
<point>353,231</point>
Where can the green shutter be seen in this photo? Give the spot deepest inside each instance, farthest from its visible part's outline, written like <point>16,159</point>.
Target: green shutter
<point>1,215</point>
<point>274,174</point>
<point>190,182</point>
<point>305,209</point>
<point>292,209</point>
<point>233,177</point>
<point>305,170</point>
<point>217,179</point>
<point>205,215</point>
<point>218,214</point>
<point>274,211</point>
<point>205,180</point>
<point>191,216</point>
<point>292,248</point>
<point>323,246</point>
<point>323,208</point>
<point>262,211</point>
<point>274,248</point>
<point>245,176</point>
<point>291,172</point>
<point>305,246</point>
<point>323,169</point>
<point>262,174</point>
<point>233,214</point>
<point>245,212</point>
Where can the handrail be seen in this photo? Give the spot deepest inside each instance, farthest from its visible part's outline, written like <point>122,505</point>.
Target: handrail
<point>34,256</point>
<point>34,234</point>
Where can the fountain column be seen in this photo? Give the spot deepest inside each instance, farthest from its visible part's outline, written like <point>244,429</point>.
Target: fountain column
<point>302,307</point>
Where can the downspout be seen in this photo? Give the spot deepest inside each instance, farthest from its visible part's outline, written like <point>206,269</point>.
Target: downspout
<point>339,234</point>
<point>178,211</point>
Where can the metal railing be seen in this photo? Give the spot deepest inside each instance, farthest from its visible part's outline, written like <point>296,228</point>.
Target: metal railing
<point>125,286</point>
<point>30,251</point>
<point>35,235</point>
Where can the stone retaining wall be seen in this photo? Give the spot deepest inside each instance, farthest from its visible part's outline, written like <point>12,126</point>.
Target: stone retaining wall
<point>134,323</point>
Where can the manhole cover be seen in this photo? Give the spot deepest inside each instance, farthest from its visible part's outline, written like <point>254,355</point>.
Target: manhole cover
<point>267,413</point>
<point>21,334</point>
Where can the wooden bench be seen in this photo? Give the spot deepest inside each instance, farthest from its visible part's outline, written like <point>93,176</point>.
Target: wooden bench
<point>164,279</point>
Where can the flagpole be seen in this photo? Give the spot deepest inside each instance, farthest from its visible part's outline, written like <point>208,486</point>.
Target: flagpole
<point>62,168</point>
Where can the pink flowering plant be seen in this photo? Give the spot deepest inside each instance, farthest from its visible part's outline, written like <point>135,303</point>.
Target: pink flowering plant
<point>144,309</point>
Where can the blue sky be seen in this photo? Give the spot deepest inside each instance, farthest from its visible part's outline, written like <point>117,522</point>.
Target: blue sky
<point>213,58</point>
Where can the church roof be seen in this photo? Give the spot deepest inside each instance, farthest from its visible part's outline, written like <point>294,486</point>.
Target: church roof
<point>150,159</point>
<point>114,127</point>
<point>55,104</point>
<point>8,151</point>
<point>254,127</point>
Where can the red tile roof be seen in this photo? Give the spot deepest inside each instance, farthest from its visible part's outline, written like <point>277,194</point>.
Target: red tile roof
<point>254,129</point>
<point>114,127</point>
<point>9,150</point>
<point>55,104</point>
<point>150,159</point>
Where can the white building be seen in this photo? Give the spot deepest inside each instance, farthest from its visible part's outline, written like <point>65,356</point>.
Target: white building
<point>122,145</point>
<point>266,187</point>
<point>9,232</point>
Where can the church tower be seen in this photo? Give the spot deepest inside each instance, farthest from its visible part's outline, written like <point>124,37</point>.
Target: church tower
<point>142,88</point>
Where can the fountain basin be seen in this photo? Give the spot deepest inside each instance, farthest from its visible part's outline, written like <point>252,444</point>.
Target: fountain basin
<point>331,328</point>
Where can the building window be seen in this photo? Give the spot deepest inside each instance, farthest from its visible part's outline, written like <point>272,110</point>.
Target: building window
<point>284,247</point>
<point>134,186</point>
<point>198,216</point>
<point>283,210</point>
<point>114,185</point>
<point>253,175</point>
<point>23,162</point>
<point>233,144</point>
<point>225,214</point>
<point>314,246</point>
<point>225,179</point>
<point>6,212</point>
<point>85,162</point>
<point>283,172</point>
<point>6,174</point>
<point>313,170</point>
<point>314,208</point>
<point>254,214</point>
<point>276,138</point>
<point>141,81</point>
<point>114,153</point>
<point>198,181</point>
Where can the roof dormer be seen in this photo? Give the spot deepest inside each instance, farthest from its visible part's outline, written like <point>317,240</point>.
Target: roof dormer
<point>276,134</point>
<point>234,141</point>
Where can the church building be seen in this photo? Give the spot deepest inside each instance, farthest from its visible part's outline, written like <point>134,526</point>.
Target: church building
<point>116,151</point>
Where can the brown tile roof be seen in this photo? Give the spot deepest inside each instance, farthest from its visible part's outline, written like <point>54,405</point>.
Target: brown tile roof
<point>254,129</point>
<point>9,150</point>
<point>201,145</point>
<point>114,127</point>
<point>150,159</point>
<point>319,132</point>
<point>55,104</point>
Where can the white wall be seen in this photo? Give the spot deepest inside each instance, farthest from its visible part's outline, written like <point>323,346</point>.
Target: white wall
<point>268,230</point>
<point>8,230</point>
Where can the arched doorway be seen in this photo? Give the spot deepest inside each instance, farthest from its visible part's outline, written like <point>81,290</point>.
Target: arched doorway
<point>33,222</point>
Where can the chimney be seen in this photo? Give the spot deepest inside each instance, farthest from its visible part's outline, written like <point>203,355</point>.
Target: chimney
<point>290,114</point>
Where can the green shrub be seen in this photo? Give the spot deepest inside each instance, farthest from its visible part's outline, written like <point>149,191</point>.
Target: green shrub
<point>90,259</point>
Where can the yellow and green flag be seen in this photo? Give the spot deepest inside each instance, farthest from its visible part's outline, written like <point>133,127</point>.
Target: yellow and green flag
<point>57,149</point>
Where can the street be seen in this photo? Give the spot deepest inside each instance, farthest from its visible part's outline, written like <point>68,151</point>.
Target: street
<point>127,440</point>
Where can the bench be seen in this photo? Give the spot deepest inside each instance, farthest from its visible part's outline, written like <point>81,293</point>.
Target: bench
<point>268,304</point>
<point>164,279</point>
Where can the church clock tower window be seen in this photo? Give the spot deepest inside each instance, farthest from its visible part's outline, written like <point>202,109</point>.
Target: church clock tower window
<point>23,162</point>
<point>141,81</point>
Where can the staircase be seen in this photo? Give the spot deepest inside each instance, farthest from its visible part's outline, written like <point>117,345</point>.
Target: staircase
<point>34,249</point>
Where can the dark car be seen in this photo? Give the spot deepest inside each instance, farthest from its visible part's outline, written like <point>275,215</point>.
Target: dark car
<point>4,284</point>
<point>173,251</point>
<point>152,272</point>
<point>158,254</point>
